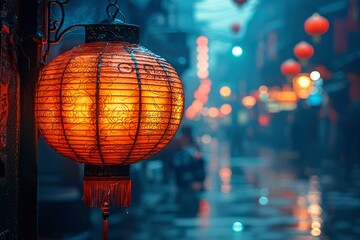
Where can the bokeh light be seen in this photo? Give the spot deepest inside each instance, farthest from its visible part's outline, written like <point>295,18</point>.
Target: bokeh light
<point>238,227</point>
<point>225,91</point>
<point>315,232</point>
<point>315,75</point>
<point>213,112</point>
<point>248,101</point>
<point>206,139</point>
<point>225,174</point>
<point>263,89</point>
<point>202,40</point>
<point>304,82</point>
<point>226,109</point>
<point>263,200</point>
<point>237,51</point>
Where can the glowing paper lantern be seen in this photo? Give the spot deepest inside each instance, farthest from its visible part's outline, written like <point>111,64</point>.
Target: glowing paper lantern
<point>290,68</point>
<point>303,51</point>
<point>108,103</point>
<point>316,26</point>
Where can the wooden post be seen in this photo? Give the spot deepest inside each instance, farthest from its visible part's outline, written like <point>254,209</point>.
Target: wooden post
<point>29,59</point>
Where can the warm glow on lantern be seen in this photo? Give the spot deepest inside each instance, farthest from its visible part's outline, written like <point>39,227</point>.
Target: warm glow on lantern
<point>248,101</point>
<point>108,103</point>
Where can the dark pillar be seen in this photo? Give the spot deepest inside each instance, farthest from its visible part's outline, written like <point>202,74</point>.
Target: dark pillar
<point>29,59</point>
<point>9,119</point>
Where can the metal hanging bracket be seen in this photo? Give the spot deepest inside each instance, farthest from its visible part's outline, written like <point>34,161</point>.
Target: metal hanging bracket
<point>110,29</point>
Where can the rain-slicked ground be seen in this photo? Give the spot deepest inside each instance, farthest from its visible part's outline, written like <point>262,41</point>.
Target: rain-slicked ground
<point>261,195</point>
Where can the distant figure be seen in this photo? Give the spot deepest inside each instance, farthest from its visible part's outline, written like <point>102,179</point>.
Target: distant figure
<point>188,163</point>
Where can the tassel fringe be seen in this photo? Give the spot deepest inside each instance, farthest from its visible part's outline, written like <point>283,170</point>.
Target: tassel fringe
<point>117,192</point>
<point>105,230</point>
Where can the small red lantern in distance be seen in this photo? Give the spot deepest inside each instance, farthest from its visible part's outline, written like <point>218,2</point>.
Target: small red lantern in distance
<point>303,51</point>
<point>316,26</point>
<point>240,2</point>
<point>325,73</point>
<point>290,68</point>
<point>235,27</point>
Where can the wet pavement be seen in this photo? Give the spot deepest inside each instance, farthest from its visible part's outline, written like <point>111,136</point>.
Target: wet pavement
<point>260,195</point>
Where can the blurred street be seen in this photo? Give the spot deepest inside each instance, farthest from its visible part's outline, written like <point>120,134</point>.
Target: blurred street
<point>260,195</point>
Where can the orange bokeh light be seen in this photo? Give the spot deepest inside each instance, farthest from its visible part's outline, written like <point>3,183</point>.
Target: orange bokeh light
<point>202,65</point>
<point>202,40</point>
<point>203,74</point>
<point>263,89</point>
<point>202,57</point>
<point>225,91</point>
<point>248,101</point>
<point>213,112</point>
<point>197,105</point>
<point>302,85</point>
<point>226,109</point>
<point>204,88</point>
<point>202,49</point>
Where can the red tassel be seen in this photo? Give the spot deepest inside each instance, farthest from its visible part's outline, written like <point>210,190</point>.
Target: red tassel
<point>105,230</point>
<point>115,191</point>
<point>105,213</point>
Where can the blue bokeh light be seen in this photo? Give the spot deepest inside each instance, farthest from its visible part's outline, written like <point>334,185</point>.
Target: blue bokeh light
<point>263,200</point>
<point>238,227</point>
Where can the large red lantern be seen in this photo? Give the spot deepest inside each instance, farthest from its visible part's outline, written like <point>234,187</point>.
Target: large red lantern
<point>316,26</point>
<point>303,51</point>
<point>108,103</point>
<point>290,68</point>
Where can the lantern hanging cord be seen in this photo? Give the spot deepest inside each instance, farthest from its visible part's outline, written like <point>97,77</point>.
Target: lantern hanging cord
<point>112,15</point>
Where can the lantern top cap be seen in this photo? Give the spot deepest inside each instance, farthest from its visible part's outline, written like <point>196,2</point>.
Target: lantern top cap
<point>112,29</point>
